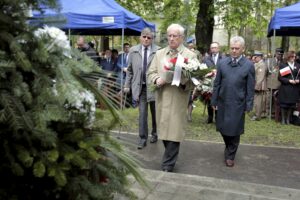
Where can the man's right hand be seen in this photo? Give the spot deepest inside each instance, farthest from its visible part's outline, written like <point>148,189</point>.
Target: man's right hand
<point>160,82</point>
<point>126,89</point>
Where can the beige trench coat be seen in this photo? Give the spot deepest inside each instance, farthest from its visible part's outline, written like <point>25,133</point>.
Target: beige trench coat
<point>261,71</point>
<point>171,101</point>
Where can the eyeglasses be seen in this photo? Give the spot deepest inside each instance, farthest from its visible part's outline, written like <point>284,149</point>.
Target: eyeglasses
<point>174,36</point>
<point>149,38</point>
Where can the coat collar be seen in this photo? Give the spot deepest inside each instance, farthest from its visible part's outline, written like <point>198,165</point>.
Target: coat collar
<point>179,49</point>
<point>139,48</point>
<point>240,62</point>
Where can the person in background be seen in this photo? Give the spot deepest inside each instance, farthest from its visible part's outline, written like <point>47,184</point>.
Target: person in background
<point>87,49</point>
<point>138,62</point>
<point>108,63</point>
<point>122,64</point>
<point>288,93</point>
<point>171,101</point>
<point>212,61</point>
<point>261,71</point>
<point>272,79</point>
<point>214,57</point>
<point>233,94</point>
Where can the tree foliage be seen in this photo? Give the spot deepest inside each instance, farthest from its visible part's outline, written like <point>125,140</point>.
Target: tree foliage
<point>246,18</point>
<point>47,151</point>
<point>147,9</point>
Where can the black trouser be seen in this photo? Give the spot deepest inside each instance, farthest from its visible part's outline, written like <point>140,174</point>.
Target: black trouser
<point>231,146</point>
<point>211,112</point>
<point>171,154</point>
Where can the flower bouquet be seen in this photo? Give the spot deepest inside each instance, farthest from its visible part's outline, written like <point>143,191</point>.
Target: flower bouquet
<point>175,67</point>
<point>205,88</point>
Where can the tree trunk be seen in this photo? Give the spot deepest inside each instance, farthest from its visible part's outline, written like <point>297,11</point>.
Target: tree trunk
<point>204,25</point>
<point>285,43</point>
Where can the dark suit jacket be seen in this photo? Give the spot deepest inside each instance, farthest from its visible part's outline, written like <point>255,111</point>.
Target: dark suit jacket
<point>289,93</point>
<point>208,60</point>
<point>233,94</point>
<point>109,66</point>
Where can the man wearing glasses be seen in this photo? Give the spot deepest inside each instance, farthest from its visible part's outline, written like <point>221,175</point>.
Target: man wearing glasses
<point>138,61</point>
<point>171,100</point>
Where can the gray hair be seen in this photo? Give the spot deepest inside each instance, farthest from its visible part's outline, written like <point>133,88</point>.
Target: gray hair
<point>147,31</point>
<point>236,39</point>
<point>176,27</point>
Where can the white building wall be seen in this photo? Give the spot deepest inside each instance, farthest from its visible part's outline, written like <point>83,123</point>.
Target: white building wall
<point>220,35</point>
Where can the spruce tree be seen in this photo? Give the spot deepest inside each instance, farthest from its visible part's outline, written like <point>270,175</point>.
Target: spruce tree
<point>50,147</point>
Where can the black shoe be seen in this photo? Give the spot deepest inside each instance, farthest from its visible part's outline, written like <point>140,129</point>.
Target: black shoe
<point>153,139</point>
<point>142,144</point>
<point>167,170</point>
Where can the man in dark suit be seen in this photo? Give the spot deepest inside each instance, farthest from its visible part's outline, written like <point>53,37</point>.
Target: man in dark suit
<point>233,95</point>
<point>122,64</point>
<point>212,60</point>
<point>108,63</point>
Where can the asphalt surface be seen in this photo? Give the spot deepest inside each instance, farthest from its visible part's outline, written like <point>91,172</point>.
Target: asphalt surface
<point>272,166</point>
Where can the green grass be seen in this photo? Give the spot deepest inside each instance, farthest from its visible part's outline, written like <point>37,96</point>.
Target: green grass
<point>263,132</point>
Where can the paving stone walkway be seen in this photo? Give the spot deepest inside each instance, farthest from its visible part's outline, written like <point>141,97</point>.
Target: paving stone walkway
<point>260,173</point>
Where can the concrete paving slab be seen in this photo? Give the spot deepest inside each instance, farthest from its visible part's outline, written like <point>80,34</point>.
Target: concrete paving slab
<point>274,166</point>
<point>186,187</point>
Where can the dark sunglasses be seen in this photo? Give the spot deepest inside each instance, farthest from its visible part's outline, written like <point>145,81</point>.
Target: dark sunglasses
<point>149,38</point>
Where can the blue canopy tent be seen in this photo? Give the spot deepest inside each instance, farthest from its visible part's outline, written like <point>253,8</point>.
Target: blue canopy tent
<point>285,21</point>
<point>91,17</point>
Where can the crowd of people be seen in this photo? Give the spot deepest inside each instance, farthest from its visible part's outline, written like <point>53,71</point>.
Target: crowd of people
<point>240,84</point>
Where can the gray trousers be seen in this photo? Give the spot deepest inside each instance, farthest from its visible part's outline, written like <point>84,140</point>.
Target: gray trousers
<point>171,154</point>
<point>143,115</point>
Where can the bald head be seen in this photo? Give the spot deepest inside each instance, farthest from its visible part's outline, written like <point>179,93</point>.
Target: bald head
<point>80,42</point>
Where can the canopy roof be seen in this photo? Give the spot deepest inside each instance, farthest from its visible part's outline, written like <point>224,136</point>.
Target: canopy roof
<point>92,17</point>
<point>286,21</point>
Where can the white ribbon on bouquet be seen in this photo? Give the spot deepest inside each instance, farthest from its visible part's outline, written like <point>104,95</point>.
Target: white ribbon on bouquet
<point>178,70</point>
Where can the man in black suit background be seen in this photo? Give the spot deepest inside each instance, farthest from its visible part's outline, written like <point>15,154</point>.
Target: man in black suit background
<point>212,61</point>
<point>108,63</point>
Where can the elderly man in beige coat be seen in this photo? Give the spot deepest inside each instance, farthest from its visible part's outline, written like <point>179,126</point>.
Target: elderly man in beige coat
<point>171,100</point>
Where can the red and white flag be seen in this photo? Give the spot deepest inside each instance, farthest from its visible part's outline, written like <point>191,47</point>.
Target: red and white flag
<point>285,71</point>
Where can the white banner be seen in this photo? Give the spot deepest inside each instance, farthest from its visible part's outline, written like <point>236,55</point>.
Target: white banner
<point>178,69</point>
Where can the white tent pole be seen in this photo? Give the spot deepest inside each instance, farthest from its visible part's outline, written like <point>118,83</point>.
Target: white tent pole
<point>272,69</point>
